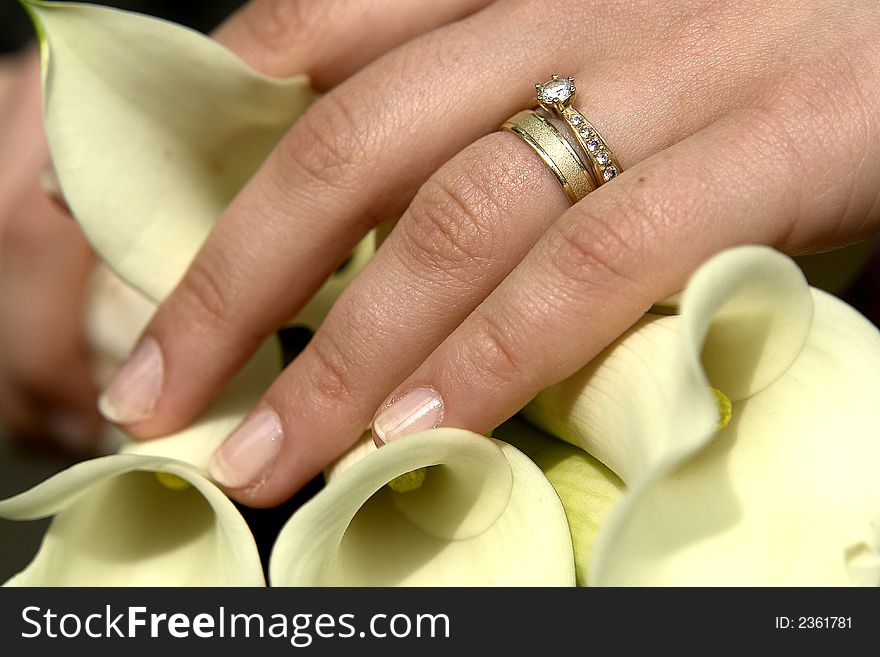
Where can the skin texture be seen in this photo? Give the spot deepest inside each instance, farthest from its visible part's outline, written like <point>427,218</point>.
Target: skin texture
<point>735,122</point>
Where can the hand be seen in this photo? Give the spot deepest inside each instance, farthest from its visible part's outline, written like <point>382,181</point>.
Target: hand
<point>47,393</point>
<point>734,123</point>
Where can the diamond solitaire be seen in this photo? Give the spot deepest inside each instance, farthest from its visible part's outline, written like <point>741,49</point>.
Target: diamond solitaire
<point>555,92</point>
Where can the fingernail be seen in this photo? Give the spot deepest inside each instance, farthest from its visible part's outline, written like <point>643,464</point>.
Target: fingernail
<point>419,409</point>
<point>134,390</point>
<point>249,451</point>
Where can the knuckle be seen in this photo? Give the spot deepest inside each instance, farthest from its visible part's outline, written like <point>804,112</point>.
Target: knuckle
<point>330,374</point>
<point>835,136</point>
<point>623,247</point>
<point>204,295</point>
<point>447,226</point>
<point>328,146</point>
<point>591,254</point>
<point>492,351</point>
<point>780,136</point>
<point>831,102</point>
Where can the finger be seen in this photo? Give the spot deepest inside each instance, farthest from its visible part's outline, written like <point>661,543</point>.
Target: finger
<point>465,230</point>
<point>353,160</point>
<point>330,39</point>
<point>606,260</point>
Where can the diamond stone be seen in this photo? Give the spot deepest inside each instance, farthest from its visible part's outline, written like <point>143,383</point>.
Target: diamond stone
<point>585,132</point>
<point>609,172</point>
<point>555,91</point>
<point>576,120</point>
<point>603,157</point>
<point>594,145</point>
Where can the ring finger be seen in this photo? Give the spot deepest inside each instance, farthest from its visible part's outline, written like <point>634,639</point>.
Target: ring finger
<point>466,229</point>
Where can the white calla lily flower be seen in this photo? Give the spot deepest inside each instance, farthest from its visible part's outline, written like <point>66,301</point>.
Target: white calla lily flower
<point>153,129</point>
<point>787,493</point>
<point>115,316</point>
<point>117,524</point>
<point>588,490</point>
<point>484,515</point>
<point>150,516</point>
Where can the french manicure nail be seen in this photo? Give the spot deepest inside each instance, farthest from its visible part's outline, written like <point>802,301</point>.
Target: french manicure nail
<point>250,450</point>
<point>134,390</point>
<point>418,409</point>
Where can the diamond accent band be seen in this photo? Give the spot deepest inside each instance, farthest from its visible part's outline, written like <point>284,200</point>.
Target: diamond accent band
<point>555,96</point>
<point>604,163</point>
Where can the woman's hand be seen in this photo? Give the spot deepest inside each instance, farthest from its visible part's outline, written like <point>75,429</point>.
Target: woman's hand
<point>734,122</point>
<point>47,392</point>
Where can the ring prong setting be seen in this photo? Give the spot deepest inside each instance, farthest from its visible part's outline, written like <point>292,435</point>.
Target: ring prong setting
<point>555,92</point>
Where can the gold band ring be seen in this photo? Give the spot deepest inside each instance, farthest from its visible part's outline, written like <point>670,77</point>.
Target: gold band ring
<point>555,150</point>
<point>556,96</point>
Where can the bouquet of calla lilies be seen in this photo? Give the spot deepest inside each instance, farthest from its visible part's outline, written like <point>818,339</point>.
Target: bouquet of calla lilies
<point>730,437</point>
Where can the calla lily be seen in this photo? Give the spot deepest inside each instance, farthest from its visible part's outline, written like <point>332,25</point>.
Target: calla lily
<point>115,316</point>
<point>153,129</point>
<point>484,515</point>
<point>149,516</point>
<point>588,490</point>
<point>116,524</point>
<point>787,493</point>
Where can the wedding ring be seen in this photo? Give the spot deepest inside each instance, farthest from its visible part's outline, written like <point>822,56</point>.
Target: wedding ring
<point>554,149</point>
<point>556,96</point>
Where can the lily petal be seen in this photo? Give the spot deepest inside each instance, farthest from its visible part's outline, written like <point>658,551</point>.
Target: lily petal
<point>485,515</point>
<point>153,129</point>
<point>116,524</point>
<point>746,314</point>
<point>787,494</point>
<point>588,490</point>
<point>645,402</point>
<point>115,316</point>
<point>640,403</point>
